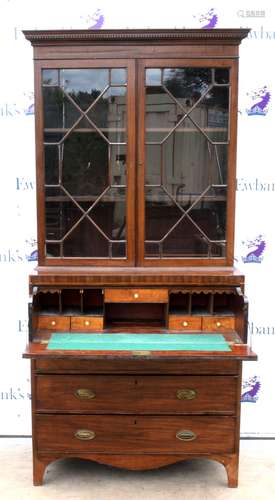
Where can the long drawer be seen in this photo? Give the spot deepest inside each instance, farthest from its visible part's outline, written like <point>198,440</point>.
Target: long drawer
<point>135,434</point>
<point>153,295</point>
<point>136,394</point>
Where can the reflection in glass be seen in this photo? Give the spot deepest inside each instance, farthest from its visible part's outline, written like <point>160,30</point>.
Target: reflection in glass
<point>186,155</point>
<point>109,114</point>
<point>84,85</point>
<point>60,212</point>
<point>85,166</point>
<point>50,76</point>
<point>85,154</point>
<point>110,215</point>
<point>118,76</point>
<point>51,164</point>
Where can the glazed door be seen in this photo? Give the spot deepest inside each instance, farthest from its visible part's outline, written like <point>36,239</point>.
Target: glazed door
<point>186,159</point>
<point>85,166</point>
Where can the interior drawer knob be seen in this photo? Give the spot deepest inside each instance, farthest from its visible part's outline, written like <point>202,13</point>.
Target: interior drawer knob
<point>84,434</point>
<point>218,324</point>
<point>136,295</point>
<point>186,394</point>
<point>53,323</point>
<point>186,435</point>
<point>87,323</point>
<point>185,323</point>
<point>84,394</point>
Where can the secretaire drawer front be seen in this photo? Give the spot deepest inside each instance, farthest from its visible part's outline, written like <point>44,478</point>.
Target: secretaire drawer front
<point>116,433</point>
<point>177,322</point>
<point>218,323</point>
<point>154,295</point>
<point>86,323</point>
<point>60,323</point>
<point>136,394</point>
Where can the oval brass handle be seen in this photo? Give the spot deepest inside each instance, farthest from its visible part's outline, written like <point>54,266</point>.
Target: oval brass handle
<point>185,323</point>
<point>87,323</point>
<point>85,434</point>
<point>136,295</point>
<point>53,323</point>
<point>186,435</point>
<point>218,324</point>
<point>84,394</point>
<point>186,394</point>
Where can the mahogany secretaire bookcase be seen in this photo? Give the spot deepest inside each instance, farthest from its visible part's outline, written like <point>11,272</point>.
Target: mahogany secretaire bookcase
<point>138,320</point>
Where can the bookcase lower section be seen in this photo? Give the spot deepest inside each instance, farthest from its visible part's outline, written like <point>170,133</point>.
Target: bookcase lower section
<point>136,421</point>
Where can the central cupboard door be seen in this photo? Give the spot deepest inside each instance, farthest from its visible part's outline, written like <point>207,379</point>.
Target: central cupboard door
<point>87,194</point>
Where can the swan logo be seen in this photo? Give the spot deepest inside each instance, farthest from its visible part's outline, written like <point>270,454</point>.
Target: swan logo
<point>208,20</point>
<point>255,250</point>
<point>31,250</point>
<point>95,21</point>
<point>262,97</point>
<point>250,390</point>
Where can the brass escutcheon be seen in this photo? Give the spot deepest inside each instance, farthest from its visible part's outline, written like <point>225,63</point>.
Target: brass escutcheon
<point>186,435</point>
<point>84,394</point>
<point>186,394</point>
<point>85,434</point>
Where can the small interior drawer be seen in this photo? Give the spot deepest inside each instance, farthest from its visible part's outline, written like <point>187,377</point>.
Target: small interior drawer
<point>86,323</point>
<point>218,323</point>
<point>60,323</point>
<point>178,322</point>
<point>154,295</point>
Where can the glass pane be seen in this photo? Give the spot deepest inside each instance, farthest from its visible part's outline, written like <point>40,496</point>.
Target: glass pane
<point>162,114</point>
<point>186,215</point>
<point>153,76</point>
<point>118,250</point>
<point>85,241</point>
<point>211,114</point>
<point>59,112</point>
<point>190,164</point>
<point>50,76</point>
<point>109,114</point>
<point>85,166</point>
<point>84,85</point>
<point>185,241</point>
<point>51,164</point>
<point>210,213</point>
<point>160,213</point>
<point>61,213</point>
<point>118,76</point>
<point>52,250</point>
<point>187,84</point>
<point>222,75</point>
<point>118,164</point>
<point>153,163</point>
<point>109,214</point>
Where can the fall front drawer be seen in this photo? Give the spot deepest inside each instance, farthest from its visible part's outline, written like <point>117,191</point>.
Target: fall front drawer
<point>136,394</point>
<point>135,434</point>
<point>153,295</point>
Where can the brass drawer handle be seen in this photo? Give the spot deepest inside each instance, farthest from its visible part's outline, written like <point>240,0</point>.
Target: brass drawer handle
<point>87,323</point>
<point>53,323</point>
<point>218,324</point>
<point>186,394</point>
<point>185,323</point>
<point>84,394</point>
<point>85,434</point>
<point>136,295</point>
<point>186,435</point>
